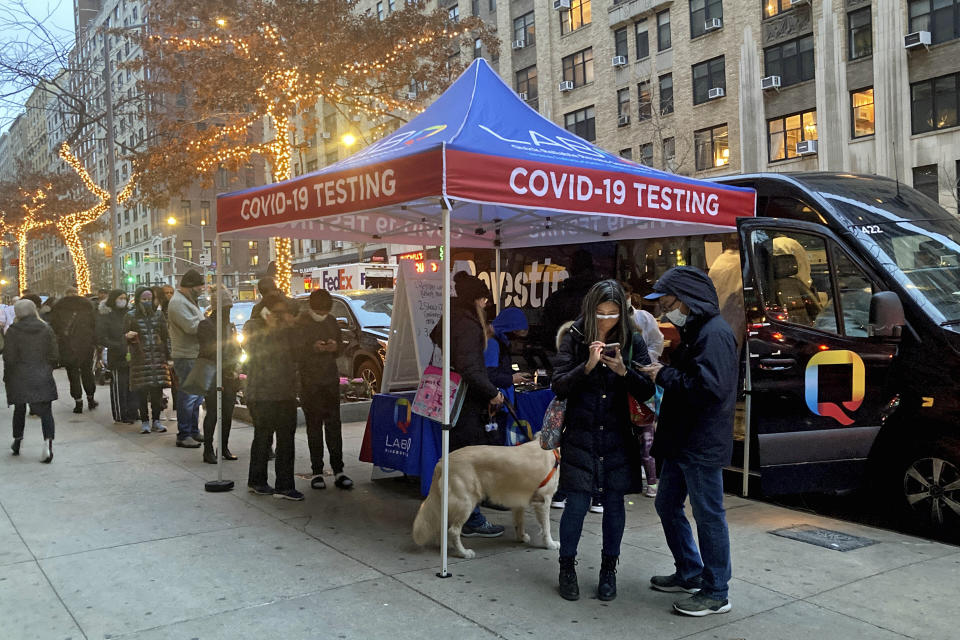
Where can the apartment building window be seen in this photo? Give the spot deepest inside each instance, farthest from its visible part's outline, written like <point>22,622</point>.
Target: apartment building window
<point>933,103</point>
<point>392,5</point>
<point>253,246</point>
<point>205,212</point>
<point>187,249</point>
<point>645,99</point>
<point>700,12</point>
<point>775,7</point>
<point>330,125</point>
<point>863,116</point>
<point>711,147</point>
<point>785,132</point>
<point>477,48</point>
<point>646,154</point>
<point>663,30</point>
<point>620,42</point>
<point>475,7</point>
<point>792,61</point>
<point>642,36</point>
<point>311,165</point>
<point>524,29</point>
<point>708,75</point>
<point>454,13</point>
<point>186,216</point>
<point>666,94</point>
<point>581,122</point>
<point>492,5</point>
<point>860,30</point>
<point>626,153</point>
<point>226,253</point>
<point>331,157</point>
<point>527,82</point>
<point>623,102</point>
<point>940,17</point>
<point>669,154</point>
<point>578,67</point>
<point>578,15</point>
<point>925,180</point>
<point>380,13</point>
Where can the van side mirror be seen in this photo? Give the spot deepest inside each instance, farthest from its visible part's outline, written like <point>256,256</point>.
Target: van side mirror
<point>343,323</point>
<point>886,315</point>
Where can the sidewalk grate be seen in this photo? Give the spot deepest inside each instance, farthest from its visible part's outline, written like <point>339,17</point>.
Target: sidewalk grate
<point>826,538</point>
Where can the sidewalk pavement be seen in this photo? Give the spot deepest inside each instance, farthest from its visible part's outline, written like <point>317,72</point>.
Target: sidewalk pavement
<point>117,539</point>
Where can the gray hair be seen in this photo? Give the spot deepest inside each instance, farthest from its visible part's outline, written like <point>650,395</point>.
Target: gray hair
<point>25,308</point>
<point>607,291</point>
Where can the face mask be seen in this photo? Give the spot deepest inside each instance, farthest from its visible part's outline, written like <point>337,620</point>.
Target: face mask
<point>319,317</point>
<point>147,305</point>
<point>677,317</point>
<point>121,304</point>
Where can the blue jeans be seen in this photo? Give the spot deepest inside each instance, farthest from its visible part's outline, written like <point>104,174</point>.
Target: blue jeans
<point>704,485</point>
<point>476,519</point>
<point>188,406</point>
<point>571,522</point>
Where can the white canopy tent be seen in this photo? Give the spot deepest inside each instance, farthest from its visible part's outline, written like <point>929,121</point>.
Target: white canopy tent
<point>479,168</point>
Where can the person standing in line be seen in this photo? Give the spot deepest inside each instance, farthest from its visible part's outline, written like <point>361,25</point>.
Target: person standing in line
<point>596,380</point>
<point>271,395</point>
<point>320,345</point>
<point>207,335</point>
<point>29,355</point>
<point>74,321</point>
<point>694,440</point>
<point>110,335</point>
<point>183,317</point>
<point>146,334</point>
<point>468,339</point>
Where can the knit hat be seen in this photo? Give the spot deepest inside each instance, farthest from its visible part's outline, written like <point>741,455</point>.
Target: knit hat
<point>320,300</point>
<point>266,285</point>
<point>24,308</point>
<point>470,288</point>
<point>191,279</point>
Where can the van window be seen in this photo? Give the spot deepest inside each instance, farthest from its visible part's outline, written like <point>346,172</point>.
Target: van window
<point>855,291</point>
<point>339,310</point>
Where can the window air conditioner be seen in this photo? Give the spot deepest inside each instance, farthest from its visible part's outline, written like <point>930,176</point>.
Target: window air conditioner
<point>519,44</point>
<point>916,39</point>
<point>713,24</point>
<point>566,85</point>
<point>411,95</point>
<point>770,82</point>
<point>356,117</point>
<point>561,4</point>
<point>337,244</point>
<point>623,120</point>
<point>523,95</point>
<point>807,148</point>
<point>325,135</point>
<point>717,92</point>
<point>619,61</point>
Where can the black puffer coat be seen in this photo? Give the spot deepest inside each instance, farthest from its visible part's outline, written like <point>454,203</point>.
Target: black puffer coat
<point>207,336</point>
<point>74,320</point>
<point>29,355</point>
<point>148,352</point>
<point>597,451</point>
<point>466,358</point>
<point>700,385</point>
<point>110,330</point>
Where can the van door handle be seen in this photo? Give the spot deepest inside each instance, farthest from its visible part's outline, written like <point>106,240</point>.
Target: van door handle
<point>777,364</point>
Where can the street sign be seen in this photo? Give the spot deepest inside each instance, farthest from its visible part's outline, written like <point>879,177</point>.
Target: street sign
<point>205,258</point>
<point>156,259</point>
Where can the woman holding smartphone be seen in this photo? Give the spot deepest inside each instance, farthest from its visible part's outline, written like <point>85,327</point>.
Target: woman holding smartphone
<point>593,374</point>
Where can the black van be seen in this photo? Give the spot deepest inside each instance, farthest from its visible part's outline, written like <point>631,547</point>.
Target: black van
<point>852,296</point>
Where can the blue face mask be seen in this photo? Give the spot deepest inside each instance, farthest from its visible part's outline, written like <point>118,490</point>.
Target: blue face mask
<point>677,317</point>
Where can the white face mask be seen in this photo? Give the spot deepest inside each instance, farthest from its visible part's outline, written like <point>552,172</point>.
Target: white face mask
<point>319,317</point>
<point>677,317</point>
<point>121,304</point>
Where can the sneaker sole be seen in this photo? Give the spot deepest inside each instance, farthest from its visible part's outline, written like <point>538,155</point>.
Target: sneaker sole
<point>481,535</point>
<point>558,505</point>
<point>259,493</point>
<point>286,497</point>
<point>675,589</point>
<point>704,612</point>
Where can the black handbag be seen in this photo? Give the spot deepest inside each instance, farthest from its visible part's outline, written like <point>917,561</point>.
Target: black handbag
<point>201,378</point>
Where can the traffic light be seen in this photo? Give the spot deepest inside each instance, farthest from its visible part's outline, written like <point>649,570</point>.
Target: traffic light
<point>130,279</point>
<point>128,260</point>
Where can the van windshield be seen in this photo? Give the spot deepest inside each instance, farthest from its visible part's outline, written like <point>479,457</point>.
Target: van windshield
<point>922,254</point>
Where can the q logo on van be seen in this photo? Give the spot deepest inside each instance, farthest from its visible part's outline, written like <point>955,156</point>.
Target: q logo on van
<point>401,414</point>
<point>849,360</point>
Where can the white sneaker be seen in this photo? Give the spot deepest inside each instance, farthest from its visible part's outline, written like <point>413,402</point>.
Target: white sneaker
<point>47,455</point>
<point>596,508</point>
<point>144,427</point>
<point>650,491</point>
<point>558,504</point>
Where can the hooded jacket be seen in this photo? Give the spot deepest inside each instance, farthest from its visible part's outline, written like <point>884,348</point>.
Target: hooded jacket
<point>148,353</point>
<point>700,385</point>
<point>29,356</point>
<point>110,330</point>
<point>466,358</point>
<point>74,320</point>
<point>497,355</point>
<point>565,304</point>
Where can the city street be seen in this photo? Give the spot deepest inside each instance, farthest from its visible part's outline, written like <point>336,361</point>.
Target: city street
<point>117,539</point>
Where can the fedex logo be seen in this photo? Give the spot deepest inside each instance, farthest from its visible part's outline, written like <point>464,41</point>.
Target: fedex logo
<point>338,280</point>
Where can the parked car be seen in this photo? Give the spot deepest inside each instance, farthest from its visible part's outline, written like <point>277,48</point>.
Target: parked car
<point>364,319</point>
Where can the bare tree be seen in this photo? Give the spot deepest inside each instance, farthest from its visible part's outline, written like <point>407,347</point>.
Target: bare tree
<point>672,152</point>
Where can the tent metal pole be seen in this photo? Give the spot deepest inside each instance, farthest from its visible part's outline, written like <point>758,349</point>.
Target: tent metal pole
<point>445,435</point>
<point>748,415</point>
<point>496,287</point>
<point>219,484</point>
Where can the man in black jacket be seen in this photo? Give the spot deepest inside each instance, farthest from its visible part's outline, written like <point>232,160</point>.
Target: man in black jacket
<point>74,320</point>
<point>694,439</point>
<point>318,338</point>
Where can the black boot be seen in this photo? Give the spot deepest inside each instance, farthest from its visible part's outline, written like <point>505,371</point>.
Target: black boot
<point>607,587</point>
<point>15,447</point>
<point>569,589</point>
<point>78,408</point>
<point>91,403</point>
<point>208,455</point>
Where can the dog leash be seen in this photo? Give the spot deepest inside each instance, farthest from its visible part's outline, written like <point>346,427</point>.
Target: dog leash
<point>556,465</point>
<point>516,418</point>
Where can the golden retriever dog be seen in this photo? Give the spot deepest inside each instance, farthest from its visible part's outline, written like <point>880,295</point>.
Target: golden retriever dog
<point>508,476</point>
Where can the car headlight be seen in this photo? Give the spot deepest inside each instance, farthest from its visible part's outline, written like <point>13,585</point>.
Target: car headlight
<point>243,356</point>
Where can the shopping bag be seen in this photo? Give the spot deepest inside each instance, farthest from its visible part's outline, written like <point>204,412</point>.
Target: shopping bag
<point>429,399</point>
<point>553,424</point>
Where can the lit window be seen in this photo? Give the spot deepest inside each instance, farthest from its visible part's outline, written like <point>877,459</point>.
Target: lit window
<point>863,114</point>
<point>712,148</point>
<point>785,132</point>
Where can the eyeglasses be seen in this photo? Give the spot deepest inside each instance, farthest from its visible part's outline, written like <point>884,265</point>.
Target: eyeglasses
<point>669,307</point>
<point>607,316</point>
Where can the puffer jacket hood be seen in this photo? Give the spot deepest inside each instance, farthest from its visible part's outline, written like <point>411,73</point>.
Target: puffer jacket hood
<point>693,287</point>
<point>108,305</point>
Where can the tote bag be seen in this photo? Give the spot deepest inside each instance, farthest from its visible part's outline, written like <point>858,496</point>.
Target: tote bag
<point>429,399</point>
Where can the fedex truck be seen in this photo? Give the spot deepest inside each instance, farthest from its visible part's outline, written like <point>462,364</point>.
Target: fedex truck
<point>349,277</point>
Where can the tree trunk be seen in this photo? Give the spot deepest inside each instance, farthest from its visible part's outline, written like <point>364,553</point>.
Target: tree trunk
<point>71,238</point>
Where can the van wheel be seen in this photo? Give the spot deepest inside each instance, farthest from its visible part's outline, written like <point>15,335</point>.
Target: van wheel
<point>931,486</point>
<point>369,371</point>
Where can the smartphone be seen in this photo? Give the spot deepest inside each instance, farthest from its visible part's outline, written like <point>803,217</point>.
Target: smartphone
<point>610,350</point>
